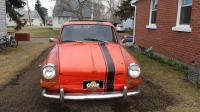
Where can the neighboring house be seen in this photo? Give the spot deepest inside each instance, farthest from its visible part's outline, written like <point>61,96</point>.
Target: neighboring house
<point>35,18</point>
<point>59,19</point>
<point>170,27</point>
<point>2,18</point>
<point>128,24</point>
<point>60,15</point>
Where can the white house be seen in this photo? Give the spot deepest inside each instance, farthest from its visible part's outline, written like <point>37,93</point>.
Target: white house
<point>59,19</point>
<point>2,17</point>
<point>35,19</point>
<point>129,23</point>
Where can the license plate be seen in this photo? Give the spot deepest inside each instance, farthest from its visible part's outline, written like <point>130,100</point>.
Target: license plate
<point>92,84</point>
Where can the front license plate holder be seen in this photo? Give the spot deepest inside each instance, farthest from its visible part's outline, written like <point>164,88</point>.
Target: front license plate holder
<point>92,84</point>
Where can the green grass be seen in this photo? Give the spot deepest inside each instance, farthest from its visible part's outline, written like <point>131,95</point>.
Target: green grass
<point>172,81</point>
<point>47,32</point>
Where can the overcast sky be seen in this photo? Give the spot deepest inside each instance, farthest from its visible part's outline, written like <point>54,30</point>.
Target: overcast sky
<point>45,3</point>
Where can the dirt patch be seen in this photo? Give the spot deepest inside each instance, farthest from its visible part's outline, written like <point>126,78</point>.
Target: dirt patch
<point>16,79</point>
<point>152,98</point>
<point>19,94</point>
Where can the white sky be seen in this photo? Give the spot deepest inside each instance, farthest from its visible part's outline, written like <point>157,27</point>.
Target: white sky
<point>45,3</point>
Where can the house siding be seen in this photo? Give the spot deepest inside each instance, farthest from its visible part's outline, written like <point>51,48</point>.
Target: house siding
<point>2,17</point>
<point>182,46</point>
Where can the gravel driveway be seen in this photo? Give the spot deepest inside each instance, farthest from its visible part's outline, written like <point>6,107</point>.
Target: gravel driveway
<point>23,94</point>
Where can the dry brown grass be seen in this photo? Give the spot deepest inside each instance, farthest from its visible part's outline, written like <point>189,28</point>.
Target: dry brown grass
<point>16,59</point>
<point>46,32</point>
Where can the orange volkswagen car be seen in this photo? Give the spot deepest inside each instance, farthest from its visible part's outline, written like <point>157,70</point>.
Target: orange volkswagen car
<point>87,62</point>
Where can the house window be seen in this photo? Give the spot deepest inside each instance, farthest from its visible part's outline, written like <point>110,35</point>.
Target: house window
<point>154,6</point>
<point>153,14</point>
<point>186,9</point>
<point>63,19</point>
<point>184,16</point>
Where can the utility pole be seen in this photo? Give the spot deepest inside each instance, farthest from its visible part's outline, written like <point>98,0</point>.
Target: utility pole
<point>29,16</point>
<point>92,15</point>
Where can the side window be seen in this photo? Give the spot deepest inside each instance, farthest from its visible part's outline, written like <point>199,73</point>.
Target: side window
<point>153,14</point>
<point>185,13</point>
<point>154,5</point>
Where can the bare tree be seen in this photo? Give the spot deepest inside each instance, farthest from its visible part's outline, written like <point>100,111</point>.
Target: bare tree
<point>74,6</point>
<point>111,8</point>
<point>104,9</point>
<point>98,10</point>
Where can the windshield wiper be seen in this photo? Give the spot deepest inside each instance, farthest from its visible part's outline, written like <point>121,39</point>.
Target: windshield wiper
<point>94,39</point>
<point>71,41</point>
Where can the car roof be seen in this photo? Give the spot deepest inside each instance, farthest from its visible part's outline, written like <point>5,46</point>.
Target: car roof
<point>88,22</point>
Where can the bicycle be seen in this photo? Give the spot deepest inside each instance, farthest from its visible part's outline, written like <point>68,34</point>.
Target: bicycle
<point>2,44</point>
<point>10,41</point>
<point>7,41</point>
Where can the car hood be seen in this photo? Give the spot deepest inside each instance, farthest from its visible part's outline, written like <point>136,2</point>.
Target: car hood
<point>92,61</point>
<point>89,58</point>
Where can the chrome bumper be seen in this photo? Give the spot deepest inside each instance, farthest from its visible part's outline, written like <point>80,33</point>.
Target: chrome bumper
<point>81,96</point>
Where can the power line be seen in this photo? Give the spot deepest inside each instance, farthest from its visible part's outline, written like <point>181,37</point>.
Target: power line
<point>29,16</point>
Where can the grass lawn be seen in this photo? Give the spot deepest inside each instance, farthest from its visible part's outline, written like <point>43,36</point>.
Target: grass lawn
<point>187,96</point>
<point>16,59</point>
<point>40,31</point>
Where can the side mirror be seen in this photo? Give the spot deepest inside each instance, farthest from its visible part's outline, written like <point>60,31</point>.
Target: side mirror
<point>52,40</point>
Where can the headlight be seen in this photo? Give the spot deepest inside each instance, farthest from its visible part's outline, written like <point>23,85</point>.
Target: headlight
<point>49,71</point>
<point>134,70</point>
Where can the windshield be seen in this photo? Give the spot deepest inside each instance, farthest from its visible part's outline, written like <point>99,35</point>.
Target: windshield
<point>72,33</point>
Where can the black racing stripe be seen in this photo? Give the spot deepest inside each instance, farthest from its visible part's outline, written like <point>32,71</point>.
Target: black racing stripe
<point>110,75</point>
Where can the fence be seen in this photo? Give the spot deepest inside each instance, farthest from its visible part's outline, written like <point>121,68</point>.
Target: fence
<point>195,78</point>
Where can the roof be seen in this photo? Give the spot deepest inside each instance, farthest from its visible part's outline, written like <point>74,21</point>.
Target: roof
<point>88,22</point>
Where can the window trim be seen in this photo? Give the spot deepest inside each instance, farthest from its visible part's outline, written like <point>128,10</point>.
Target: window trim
<point>181,27</point>
<point>150,25</point>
